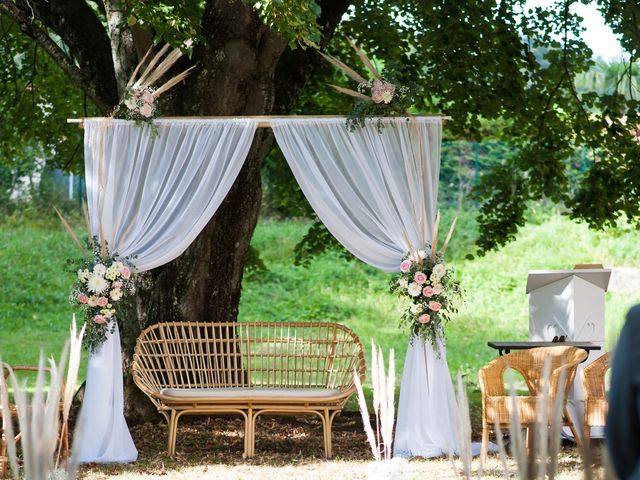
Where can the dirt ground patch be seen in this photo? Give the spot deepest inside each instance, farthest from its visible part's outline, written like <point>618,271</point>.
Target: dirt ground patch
<point>286,448</point>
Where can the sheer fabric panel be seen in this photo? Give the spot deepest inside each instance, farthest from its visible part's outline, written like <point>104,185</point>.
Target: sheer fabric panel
<point>376,191</point>
<point>375,188</point>
<point>153,193</point>
<point>150,195</point>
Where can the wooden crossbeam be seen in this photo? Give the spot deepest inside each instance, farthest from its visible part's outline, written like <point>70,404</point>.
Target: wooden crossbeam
<point>264,121</point>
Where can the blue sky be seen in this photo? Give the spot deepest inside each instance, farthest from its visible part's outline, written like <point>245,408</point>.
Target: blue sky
<point>597,35</point>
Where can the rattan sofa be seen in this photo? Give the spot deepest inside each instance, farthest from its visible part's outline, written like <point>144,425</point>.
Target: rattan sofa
<point>251,369</point>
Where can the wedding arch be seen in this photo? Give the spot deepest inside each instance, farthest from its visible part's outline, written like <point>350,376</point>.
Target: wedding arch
<point>151,190</point>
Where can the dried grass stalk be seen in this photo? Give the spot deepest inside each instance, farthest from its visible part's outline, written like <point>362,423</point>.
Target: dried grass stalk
<point>383,404</point>
<point>140,64</point>
<point>353,93</point>
<point>172,82</point>
<point>434,240</point>
<point>365,60</point>
<point>348,71</point>
<point>39,416</point>
<point>73,236</point>
<point>149,68</point>
<point>451,230</point>
<point>366,421</point>
<point>387,406</point>
<point>85,214</point>
<point>462,425</point>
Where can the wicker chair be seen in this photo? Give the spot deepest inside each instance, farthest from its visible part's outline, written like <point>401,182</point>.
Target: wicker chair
<point>13,414</point>
<point>247,368</point>
<point>497,405</point>
<point>595,396</point>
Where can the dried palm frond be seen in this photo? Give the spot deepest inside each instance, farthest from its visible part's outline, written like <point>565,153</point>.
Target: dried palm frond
<point>149,68</point>
<point>157,68</point>
<point>85,214</point>
<point>173,81</point>
<point>139,66</point>
<point>348,71</point>
<point>103,245</point>
<point>363,57</point>
<point>352,93</point>
<point>162,68</point>
<point>451,229</point>
<point>434,240</point>
<point>73,236</point>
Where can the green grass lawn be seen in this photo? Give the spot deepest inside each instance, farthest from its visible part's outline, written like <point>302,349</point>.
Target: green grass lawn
<point>35,312</point>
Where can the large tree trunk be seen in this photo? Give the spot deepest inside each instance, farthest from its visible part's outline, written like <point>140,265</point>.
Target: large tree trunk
<point>239,73</point>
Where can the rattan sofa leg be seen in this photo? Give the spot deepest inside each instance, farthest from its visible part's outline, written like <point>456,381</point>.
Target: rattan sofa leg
<point>252,434</point>
<point>173,430</point>
<point>248,434</point>
<point>326,430</point>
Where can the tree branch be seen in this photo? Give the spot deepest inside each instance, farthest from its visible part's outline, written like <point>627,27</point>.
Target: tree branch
<point>296,66</point>
<point>89,63</point>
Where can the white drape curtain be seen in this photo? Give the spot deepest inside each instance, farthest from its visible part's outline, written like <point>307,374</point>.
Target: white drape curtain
<point>149,194</point>
<point>376,191</point>
<point>374,188</point>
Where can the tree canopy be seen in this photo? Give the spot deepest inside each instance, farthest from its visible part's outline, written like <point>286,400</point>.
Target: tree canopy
<point>474,61</point>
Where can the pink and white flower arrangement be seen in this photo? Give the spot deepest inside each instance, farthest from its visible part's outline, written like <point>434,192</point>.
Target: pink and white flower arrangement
<point>429,288</point>
<point>139,104</point>
<point>99,289</point>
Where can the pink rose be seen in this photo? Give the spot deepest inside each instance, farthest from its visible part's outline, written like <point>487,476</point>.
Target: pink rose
<point>405,266</point>
<point>99,319</point>
<point>147,97</point>
<point>125,272</point>
<point>116,285</point>
<point>424,318</point>
<point>420,278</point>
<point>102,301</point>
<point>146,110</point>
<point>82,298</point>
<point>435,306</point>
<point>427,291</point>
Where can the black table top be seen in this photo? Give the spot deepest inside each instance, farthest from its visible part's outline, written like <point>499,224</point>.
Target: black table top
<point>519,345</point>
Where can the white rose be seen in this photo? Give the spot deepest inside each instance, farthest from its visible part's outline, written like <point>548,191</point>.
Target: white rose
<point>439,270</point>
<point>116,294</point>
<point>118,266</point>
<point>414,289</point>
<point>438,289</point>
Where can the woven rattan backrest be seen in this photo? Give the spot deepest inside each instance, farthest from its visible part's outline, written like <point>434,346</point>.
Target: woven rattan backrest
<point>530,363</point>
<point>593,377</point>
<point>256,354</point>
